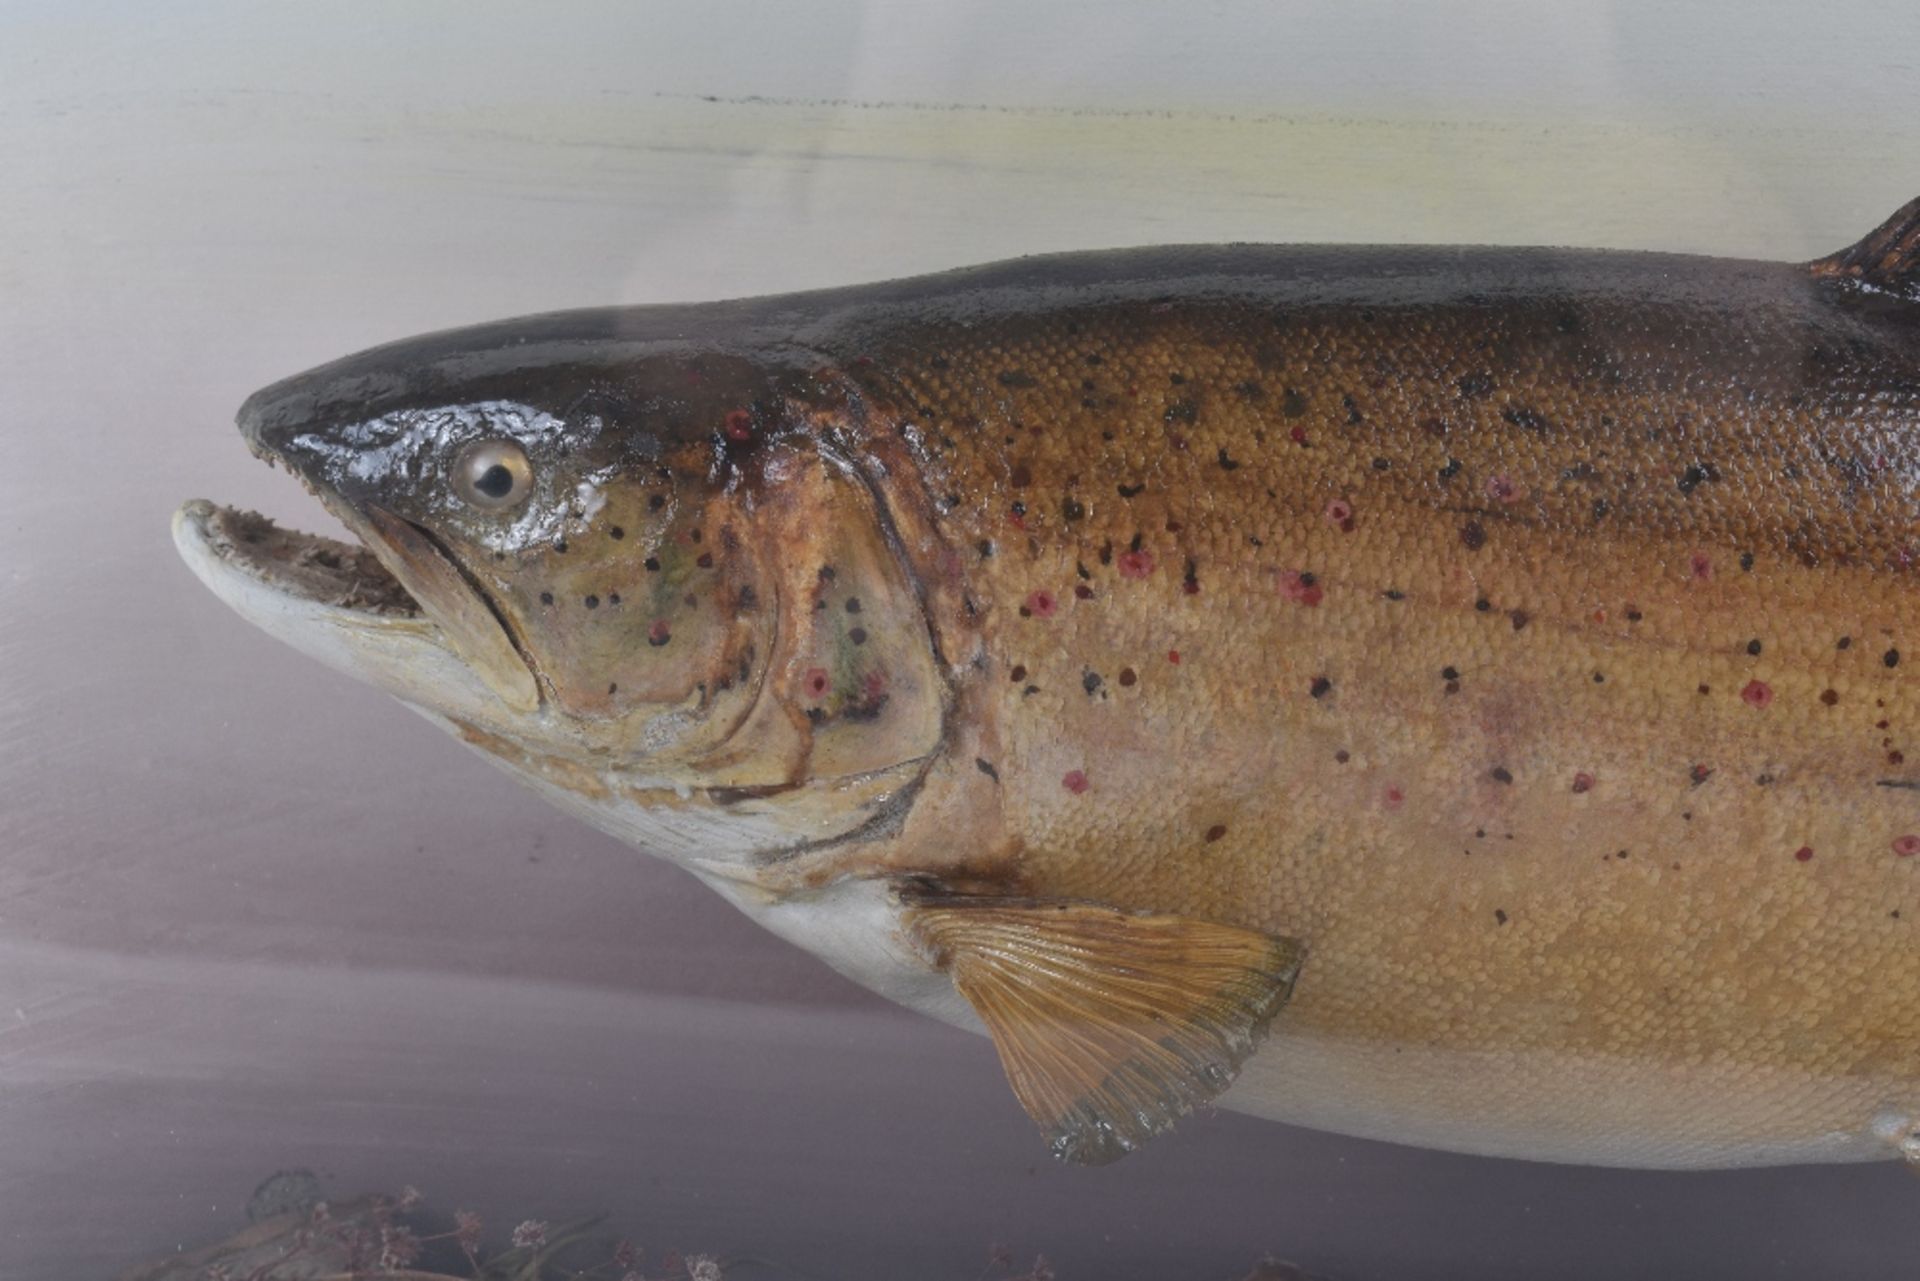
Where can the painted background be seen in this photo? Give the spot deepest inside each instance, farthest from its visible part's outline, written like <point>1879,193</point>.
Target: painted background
<point>254,916</point>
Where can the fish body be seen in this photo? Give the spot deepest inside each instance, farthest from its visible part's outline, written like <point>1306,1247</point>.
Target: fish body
<point>1457,696</point>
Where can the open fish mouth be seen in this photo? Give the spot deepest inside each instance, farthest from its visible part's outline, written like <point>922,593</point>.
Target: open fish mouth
<point>323,572</point>
<point>345,605</point>
<point>399,574</point>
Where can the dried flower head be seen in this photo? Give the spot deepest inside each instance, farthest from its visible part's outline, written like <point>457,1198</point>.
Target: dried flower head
<point>626,1254</point>
<point>701,1267</point>
<point>467,1227</point>
<point>399,1248</point>
<point>410,1199</point>
<point>530,1235</point>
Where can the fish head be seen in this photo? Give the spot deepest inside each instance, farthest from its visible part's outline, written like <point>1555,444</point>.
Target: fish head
<point>653,579</point>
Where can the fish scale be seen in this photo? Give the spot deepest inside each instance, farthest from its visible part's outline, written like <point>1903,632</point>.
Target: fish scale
<point>1644,921</point>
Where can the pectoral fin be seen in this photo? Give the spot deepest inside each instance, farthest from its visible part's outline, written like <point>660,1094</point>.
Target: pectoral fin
<point>1110,1026</point>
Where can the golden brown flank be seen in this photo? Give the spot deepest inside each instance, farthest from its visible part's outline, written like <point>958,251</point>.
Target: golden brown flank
<point>1523,633</point>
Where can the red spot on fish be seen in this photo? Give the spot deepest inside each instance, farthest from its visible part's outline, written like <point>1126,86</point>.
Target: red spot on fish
<point>1173,656</point>
<point>1042,604</point>
<point>1135,564</point>
<point>1757,694</point>
<point>1804,853</point>
<point>1394,798</point>
<point>739,425</point>
<point>1191,586</point>
<point>1583,782</point>
<point>1501,489</point>
<point>1082,592</point>
<point>1215,832</point>
<point>659,632</point>
<point>873,685</point>
<point>1298,435</point>
<point>1075,781</point>
<point>1701,566</point>
<point>1339,514</point>
<point>817,682</point>
<point>1700,774</point>
<point>1301,588</point>
<point>1599,615</point>
<point>1906,846</point>
<point>1018,519</point>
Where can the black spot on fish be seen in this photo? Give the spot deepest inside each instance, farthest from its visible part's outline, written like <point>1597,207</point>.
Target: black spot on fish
<point>1474,386</point>
<point>1451,470</point>
<point>1891,658</point>
<point>853,604</point>
<point>591,602</point>
<point>1753,647</point>
<point>1130,491</point>
<point>1090,681</point>
<point>1472,536</point>
<point>1227,463</point>
<point>653,565</point>
<point>1696,475</point>
<point>546,598</point>
<point>1072,509</point>
<point>1182,411</point>
<point>616,532</point>
<point>986,767</point>
<point>1320,687</point>
<point>1525,419</point>
<point>1017,378</point>
<point>1501,774</point>
<point>1293,404</point>
<point>857,635</point>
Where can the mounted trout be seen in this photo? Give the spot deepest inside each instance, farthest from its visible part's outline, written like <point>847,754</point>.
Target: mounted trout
<point>1458,696</point>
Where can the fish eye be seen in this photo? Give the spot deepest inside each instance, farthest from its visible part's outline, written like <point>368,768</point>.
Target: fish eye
<point>493,474</point>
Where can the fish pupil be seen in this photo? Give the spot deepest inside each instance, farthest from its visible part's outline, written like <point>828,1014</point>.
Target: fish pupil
<point>495,482</point>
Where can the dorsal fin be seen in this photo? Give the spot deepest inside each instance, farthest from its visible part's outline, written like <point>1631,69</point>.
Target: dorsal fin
<point>1887,260</point>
